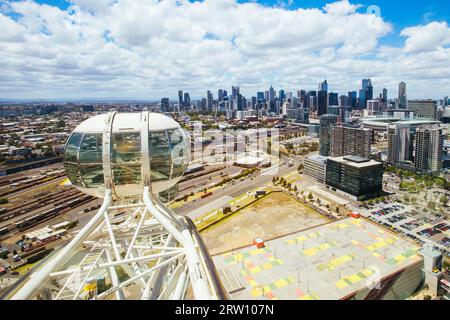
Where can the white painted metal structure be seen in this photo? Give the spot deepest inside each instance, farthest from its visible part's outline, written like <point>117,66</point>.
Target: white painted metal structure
<point>151,253</point>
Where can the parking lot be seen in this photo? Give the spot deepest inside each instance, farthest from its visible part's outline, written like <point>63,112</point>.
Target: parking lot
<point>419,226</point>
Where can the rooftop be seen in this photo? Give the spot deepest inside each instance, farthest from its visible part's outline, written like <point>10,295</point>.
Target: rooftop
<point>326,262</point>
<point>355,161</point>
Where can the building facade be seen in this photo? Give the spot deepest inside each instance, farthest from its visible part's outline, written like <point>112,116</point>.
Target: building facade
<point>429,142</point>
<point>423,108</point>
<point>359,177</point>
<point>400,143</point>
<point>316,167</point>
<point>327,121</point>
<point>351,141</point>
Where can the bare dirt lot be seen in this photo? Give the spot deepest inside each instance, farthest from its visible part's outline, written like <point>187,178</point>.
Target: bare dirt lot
<point>275,215</point>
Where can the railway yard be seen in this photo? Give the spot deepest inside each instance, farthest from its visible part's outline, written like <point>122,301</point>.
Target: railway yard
<point>35,197</point>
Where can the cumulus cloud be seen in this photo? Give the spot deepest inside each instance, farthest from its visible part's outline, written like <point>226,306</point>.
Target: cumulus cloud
<point>150,49</point>
<point>426,37</point>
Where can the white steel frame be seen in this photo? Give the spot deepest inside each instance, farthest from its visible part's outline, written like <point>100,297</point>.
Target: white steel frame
<point>158,249</point>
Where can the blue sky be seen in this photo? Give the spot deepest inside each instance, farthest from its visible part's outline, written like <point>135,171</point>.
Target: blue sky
<point>153,49</point>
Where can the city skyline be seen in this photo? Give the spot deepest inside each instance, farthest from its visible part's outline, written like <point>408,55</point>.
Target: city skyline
<point>90,50</point>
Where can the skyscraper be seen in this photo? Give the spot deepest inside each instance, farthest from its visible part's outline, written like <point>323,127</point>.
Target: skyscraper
<point>366,93</point>
<point>327,121</point>
<point>260,97</point>
<point>271,94</point>
<point>429,142</point>
<point>180,100</point>
<point>344,101</point>
<point>209,100</point>
<point>323,86</point>
<point>384,95</point>
<point>352,99</point>
<point>220,95</point>
<point>234,92</point>
<point>322,102</point>
<point>346,140</point>
<point>281,96</point>
<point>165,105</point>
<point>187,100</point>
<point>402,97</point>
<point>333,99</point>
<point>400,143</point>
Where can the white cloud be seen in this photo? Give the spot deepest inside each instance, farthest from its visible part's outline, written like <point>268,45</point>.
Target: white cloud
<point>426,37</point>
<point>149,49</point>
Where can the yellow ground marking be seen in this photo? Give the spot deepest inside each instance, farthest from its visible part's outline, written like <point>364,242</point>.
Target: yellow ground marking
<point>367,272</point>
<point>400,258</point>
<point>253,283</point>
<point>354,278</point>
<point>310,252</point>
<point>281,283</point>
<point>355,242</point>
<point>341,284</point>
<point>380,244</point>
<point>267,266</point>
<point>255,270</point>
<point>375,254</point>
<point>257,292</point>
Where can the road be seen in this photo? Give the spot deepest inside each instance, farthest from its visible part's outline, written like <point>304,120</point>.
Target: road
<point>233,190</point>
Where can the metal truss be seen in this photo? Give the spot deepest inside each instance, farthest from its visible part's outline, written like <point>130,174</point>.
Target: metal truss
<point>152,254</point>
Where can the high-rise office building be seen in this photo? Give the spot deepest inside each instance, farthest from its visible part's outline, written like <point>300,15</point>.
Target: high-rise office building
<point>180,100</point>
<point>352,100</point>
<point>384,95</point>
<point>366,93</point>
<point>429,143</point>
<point>323,86</point>
<point>400,143</point>
<point>165,107</point>
<point>260,97</point>
<point>312,103</point>
<point>322,104</point>
<point>240,102</point>
<point>360,177</point>
<point>402,97</point>
<point>346,140</point>
<point>343,101</point>
<point>333,99</point>
<point>234,92</point>
<point>374,107</point>
<point>281,96</point>
<point>327,121</point>
<point>271,94</point>
<point>209,100</point>
<point>307,100</point>
<point>186,100</point>
<point>220,95</point>
<point>254,102</point>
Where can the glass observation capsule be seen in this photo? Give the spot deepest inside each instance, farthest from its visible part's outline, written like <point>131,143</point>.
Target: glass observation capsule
<point>123,151</point>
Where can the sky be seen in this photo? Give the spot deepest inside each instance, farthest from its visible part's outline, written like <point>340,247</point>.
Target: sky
<point>148,49</point>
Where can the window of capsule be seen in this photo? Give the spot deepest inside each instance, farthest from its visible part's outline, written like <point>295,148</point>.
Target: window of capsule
<point>168,153</point>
